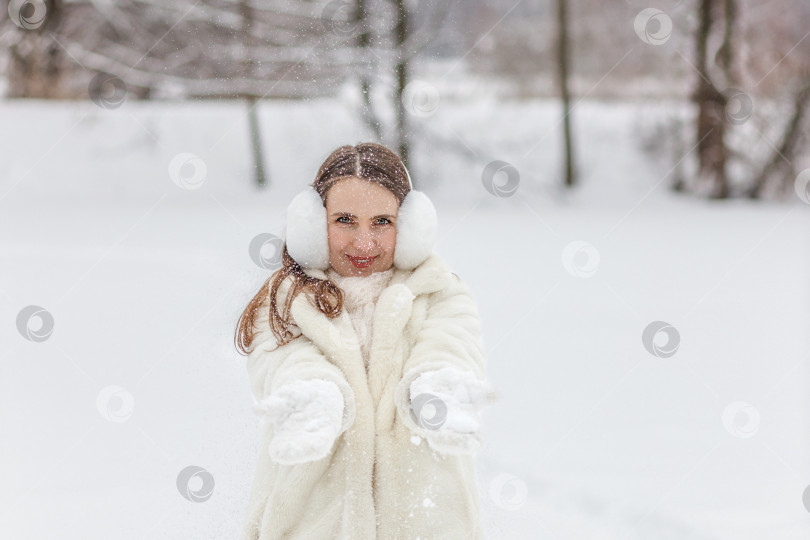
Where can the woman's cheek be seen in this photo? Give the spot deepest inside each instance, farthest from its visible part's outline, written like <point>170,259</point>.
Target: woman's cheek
<point>337,239</point>
<point>390,239</point>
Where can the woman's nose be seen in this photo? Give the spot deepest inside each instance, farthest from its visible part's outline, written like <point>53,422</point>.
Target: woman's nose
<point>365,240</point>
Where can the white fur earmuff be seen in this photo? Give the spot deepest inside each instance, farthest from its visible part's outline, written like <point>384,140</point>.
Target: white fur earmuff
<point>305,231</point>
<point>308,243</point>
<point>416,230</point>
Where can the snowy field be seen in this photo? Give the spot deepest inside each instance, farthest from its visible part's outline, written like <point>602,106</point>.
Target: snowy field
<point>595,437</point>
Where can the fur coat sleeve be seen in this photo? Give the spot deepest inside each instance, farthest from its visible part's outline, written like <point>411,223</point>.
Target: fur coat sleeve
<point>450,336</point>
<point>271,367</point>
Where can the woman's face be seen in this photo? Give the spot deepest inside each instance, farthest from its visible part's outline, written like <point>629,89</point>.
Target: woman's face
<point>361,217</point>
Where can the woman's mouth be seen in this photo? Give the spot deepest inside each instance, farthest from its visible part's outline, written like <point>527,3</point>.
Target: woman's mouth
<point>361,262</point>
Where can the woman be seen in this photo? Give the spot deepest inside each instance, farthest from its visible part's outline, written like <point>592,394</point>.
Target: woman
<point>371,378</point>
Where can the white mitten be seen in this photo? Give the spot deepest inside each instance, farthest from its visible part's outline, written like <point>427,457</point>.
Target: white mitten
<point>307,416</point>
<point>447,403</point>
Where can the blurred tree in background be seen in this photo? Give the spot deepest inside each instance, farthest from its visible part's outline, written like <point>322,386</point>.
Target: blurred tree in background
<point>744,65</point>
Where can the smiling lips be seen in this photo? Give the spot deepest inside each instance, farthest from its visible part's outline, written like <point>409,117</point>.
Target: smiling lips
<point>361,262</point>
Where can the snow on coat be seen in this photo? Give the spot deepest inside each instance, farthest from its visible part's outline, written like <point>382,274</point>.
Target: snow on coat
<point>382,479</point>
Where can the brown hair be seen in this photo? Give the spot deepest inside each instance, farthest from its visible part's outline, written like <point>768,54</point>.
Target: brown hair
<point>367,161</point>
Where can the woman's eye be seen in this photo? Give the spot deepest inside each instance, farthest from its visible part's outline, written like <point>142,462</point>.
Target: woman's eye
<point>380,221</point>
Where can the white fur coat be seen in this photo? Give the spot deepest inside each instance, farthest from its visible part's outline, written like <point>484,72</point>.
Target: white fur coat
<point>381,479</point>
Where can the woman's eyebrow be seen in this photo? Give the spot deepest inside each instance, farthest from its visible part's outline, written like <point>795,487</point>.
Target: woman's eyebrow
<point>348,214</point>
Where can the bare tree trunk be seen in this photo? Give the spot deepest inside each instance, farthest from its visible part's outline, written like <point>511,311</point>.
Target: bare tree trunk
<point>787,147</point>
<point>36,61</point>
<point>401,72</point>
<point>711,104</point>
<point>725,54</point>
<point>252,103</point>
<point>363,42</point>
<point>256,142</point>
<point>562,65</point>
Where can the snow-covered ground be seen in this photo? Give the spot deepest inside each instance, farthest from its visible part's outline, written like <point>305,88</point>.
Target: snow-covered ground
<point>595,437</point>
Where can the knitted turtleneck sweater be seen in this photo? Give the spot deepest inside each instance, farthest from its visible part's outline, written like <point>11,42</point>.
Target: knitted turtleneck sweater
<point>360,294</point>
